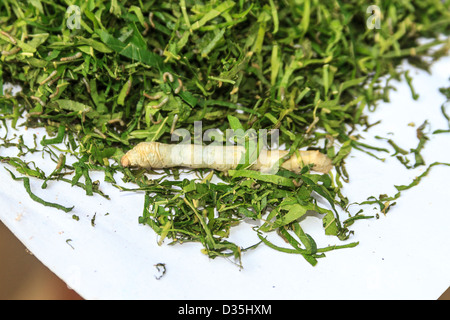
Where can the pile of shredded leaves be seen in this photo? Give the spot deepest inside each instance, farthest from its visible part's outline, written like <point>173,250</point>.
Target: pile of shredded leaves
<point>95,75</point>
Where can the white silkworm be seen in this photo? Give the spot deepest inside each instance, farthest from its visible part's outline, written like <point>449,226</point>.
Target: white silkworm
<point>157,155</point>
<point>146,29</point>
<point>86,83</point>
<point>174,123</point>
<point>150,19</point>
<point>155,97</point>
<point>74,57</point>
<point>282,93</point>
<point>53,81</point>
<point>38,100</point>
<point>32,114</point>
<point>180,86</point>
<point>165,100</point>
<point>101,134</point>
<point>153,120</point>
<point>6,34</point>
<point>129,83</point>
<point>11,52</point>
<point>167,75</point>
<point>54,94</point>
<point>120,121</point>
<point>48,78</point>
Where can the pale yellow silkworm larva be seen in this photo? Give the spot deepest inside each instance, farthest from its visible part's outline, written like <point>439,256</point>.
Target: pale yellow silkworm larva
<point>155,155</point>
<point>167,75</point>
<point>48,78</point>
<point>174,123</point>
<point>150,19</point>
<point>54,94</point>
<point>180,86</point>
<point>144,33</point>
<point>53,81</point>
<point>11,52</point>
<point>155,97</point>
<point>129,84</point>
<point>86,84</point>
<point>153,120</point>
<point>163,102</point>
<point>38,100</point>
<point>119,121</point>
<point>6,34</point>
<point>74,57</point>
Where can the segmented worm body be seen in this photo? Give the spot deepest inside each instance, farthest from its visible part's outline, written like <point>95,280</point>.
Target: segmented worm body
<point>48,78</point>
<point>155,155</point>
<point>74,57</point>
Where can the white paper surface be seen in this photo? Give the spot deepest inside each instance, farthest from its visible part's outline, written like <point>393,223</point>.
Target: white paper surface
<point>403,255</point>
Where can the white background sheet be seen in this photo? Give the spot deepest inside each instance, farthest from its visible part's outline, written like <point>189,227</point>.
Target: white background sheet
<point>403,255</point>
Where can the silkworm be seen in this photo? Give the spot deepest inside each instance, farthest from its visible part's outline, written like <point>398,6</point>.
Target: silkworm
<point>153,121</point>
<point>6,34</point>
<point>150,19</point>
<point>296,183</point>
<point>167,75</point>
<point>180,86</point>
<point>157,155</point>
<point>48,78</point>
<point>174,123</point>
<point>53,81</point>
<point>146,28</point>
<point>32,114</point>
<point>54,94</point>
<point>155,97</point>
<point>38,100</point>
<point>159,51</point>
<point>129,87</point>
<point>234,91</point>
<point>74,57</point>
<point>101,134</point>
<point>86,83</point>
<point>282,93</point>
<point>11,52</point>
<point>163,102</point>
<point>120,121</point>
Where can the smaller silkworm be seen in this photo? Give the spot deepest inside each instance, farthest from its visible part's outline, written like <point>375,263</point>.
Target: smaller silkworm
<point>74,57</point>
<point>32,114</point>
<point>159,51</point>
<point>38,100</point>
<point>167,75</point>
<point>120,121</point>
<point>86,83</point>
<point>282,93</point>
<point>53,81</point>
<point>11,52</point>
<point>6,34</point>
<point>150,19</point>
<point>129,83</point>
<point>174,123</point>
<point>101,134</point>
<point>153,121</point>
<point>296,183</point>
<point>48,78</point>
<point>155,97</point>
<point>146,28</point>
<point>180,86</point>
<point>54,94</point>
<point>165,100</point>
